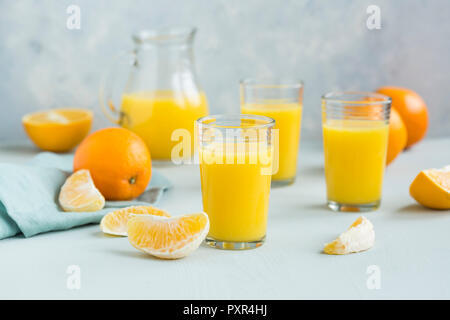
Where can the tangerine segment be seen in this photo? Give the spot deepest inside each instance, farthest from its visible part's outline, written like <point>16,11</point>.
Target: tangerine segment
<point>115,222</point>
<point>431,188</point>
<point>359,236</point>
<point>79,193</point>
<point>168,238</point>
<point>58,130</point>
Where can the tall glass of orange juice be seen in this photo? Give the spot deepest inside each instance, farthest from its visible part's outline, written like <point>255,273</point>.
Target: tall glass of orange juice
<point>282,101</point>
<point>355,136</point>
<point>236,157</point>
<point>161,96</point>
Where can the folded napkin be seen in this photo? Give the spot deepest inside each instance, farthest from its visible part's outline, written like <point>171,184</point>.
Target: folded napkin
<point>29,196</point>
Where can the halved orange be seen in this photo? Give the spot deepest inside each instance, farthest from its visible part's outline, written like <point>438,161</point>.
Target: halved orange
<point>58,130</point>
<point>168,238</point>
<point>79,193</point>
<point>431,188</point>
<point>115,222</point>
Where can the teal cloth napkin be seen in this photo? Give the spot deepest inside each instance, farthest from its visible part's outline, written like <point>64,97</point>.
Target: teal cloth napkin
<point>29,196</point>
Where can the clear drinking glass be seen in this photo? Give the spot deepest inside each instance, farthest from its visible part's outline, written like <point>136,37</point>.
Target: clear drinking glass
<point>355,137</point>
<point>236,156</point>
<point>280,99</point>
<point>161,98</point>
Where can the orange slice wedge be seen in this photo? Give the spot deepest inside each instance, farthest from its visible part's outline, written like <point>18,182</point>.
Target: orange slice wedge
<point>79,193</point>
<point>359,236</point>
<point>58,130</point>
<point>115,223</point>
<point>168,238</point>
<point>431,188</point>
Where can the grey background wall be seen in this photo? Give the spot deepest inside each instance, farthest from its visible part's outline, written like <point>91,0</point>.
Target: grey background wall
<point>326,43</point>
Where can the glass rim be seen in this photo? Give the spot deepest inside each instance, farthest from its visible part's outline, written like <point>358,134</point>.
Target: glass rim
<point>272,82</point>
<point>334,96</point>
<point>201,121</point>
<point>164,34</point>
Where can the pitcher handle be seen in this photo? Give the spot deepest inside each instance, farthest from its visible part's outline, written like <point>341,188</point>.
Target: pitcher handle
<point>105,94</point>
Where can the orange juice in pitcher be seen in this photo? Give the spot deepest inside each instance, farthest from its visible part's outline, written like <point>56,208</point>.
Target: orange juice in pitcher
<point>156,115</point>
<point>162,93</point>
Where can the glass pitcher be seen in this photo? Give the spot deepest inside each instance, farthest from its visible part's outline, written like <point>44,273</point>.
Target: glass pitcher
<point>162,93</point>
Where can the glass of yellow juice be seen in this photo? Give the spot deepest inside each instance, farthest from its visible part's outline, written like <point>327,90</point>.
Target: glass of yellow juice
<point>236,158</point>
<point>282,101</point>
<point>355,137</point>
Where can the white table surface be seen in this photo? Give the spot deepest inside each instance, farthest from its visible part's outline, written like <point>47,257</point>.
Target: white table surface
<point>412,248</point>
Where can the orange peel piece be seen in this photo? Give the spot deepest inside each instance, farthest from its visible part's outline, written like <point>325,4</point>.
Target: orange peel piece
<point>360,236</point>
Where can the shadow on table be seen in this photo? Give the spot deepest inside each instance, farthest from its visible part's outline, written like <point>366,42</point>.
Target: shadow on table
<point>417,210</point>
<point>412,208</point>
<point>299,211</point>
<point>311,170</point>
<point>316,207</point>
<point>100,234</point>
<point>20,149</point>
<point>134,254</point>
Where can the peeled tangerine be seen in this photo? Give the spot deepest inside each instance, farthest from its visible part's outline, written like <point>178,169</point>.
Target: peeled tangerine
<point>360,236</point>
<point>115,223</point>
<point>79,193</point>
<point>431,188</point>
<point>168,238</point>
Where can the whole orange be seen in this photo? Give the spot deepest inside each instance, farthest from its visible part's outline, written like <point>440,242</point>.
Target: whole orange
<point>118,160</point>
<point>398,136</point>
<point>412,109</point>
